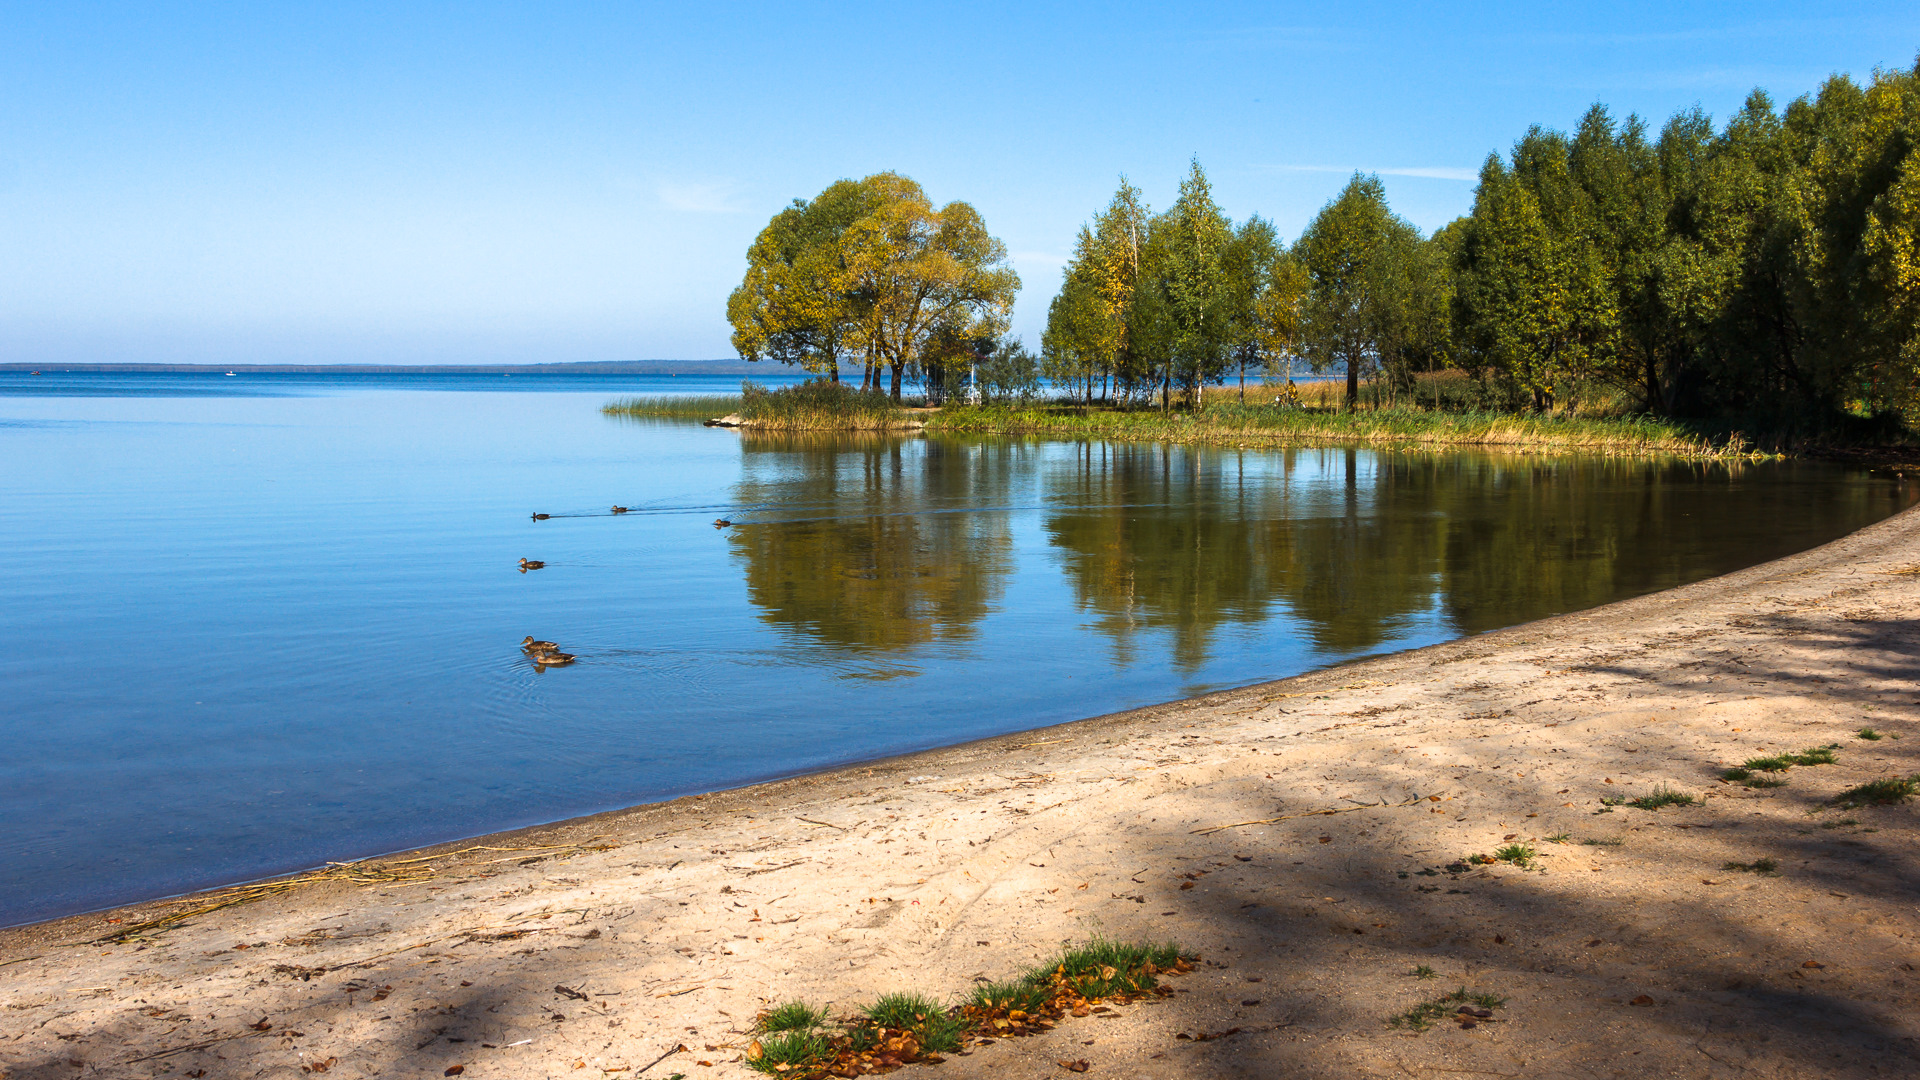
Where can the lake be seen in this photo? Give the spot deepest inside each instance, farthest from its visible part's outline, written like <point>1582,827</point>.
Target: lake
<point>256,623</point>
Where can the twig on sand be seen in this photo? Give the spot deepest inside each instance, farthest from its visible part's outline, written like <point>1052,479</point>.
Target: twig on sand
<point>1312,813</point>
<point>828,824</point>
<point>678,1048</point>
<point>189,1046</point>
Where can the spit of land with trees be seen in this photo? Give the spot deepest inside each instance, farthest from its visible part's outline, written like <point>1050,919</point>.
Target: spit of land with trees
<point>1692,289</point>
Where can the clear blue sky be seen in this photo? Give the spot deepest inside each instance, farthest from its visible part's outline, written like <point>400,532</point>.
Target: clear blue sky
<point>550,181</point>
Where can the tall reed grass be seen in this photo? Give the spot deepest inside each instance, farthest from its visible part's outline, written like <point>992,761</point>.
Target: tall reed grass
<point>817,405</point>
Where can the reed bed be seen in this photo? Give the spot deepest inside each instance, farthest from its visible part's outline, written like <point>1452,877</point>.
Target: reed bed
<point>828,407</point>
<point>1232,422</point>
<point>809,406</point>
<point>676,407</point>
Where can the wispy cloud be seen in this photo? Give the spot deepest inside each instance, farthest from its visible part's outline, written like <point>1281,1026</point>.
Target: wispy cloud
<point>697,197</point>
<point>1425,172</point>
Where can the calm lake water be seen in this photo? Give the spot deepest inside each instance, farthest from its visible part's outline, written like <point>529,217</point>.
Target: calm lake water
<point>256,623</point>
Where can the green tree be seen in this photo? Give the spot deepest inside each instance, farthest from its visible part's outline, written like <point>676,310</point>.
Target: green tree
<point>870,266</point>
<point>1345,252</point>
<point>1189,246</point>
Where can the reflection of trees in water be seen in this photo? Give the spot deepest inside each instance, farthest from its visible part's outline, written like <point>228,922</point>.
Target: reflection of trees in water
<point>869,544</point>
<point>1187,540</point>
<point>875,544</point>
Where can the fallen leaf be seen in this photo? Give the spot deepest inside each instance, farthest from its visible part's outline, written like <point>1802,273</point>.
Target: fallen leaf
<point>1185,885</point>
<point>1641,1000</point>
<point>454,1070</point>
<point>1076,1066</point>
<point>1326,839</point>
<point>1510,836</point>
<point>263,1025</point>
<point>1813,964</point>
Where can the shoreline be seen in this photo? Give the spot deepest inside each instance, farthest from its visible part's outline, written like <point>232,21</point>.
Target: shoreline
<point>930,870</point>
<point>1231,424</point>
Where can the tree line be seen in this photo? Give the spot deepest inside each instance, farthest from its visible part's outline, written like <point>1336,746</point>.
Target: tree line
<point>1769,268</point>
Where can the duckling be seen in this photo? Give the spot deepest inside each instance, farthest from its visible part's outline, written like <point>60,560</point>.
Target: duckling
<point>541,517</point>
<point>721,523</point>
<point>619,509</point>
<point>552,659</point>
<point>533,646</point>
<point>530,564</point>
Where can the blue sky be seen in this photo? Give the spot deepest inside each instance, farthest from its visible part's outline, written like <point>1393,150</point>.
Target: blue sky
<point>418,183</point>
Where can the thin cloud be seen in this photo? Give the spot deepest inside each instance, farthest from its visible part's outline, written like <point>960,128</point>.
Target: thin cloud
<point>701,198</point>
<point>1425,172</point>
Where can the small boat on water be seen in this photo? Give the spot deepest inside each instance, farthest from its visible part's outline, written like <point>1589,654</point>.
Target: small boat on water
<point>229,373</point>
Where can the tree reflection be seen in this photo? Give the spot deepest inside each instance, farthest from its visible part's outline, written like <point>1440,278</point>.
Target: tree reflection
<point>882,544</point>
<point>875,544</point>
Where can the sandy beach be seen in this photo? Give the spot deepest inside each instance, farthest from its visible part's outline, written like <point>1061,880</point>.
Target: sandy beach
<point>1627,947</point>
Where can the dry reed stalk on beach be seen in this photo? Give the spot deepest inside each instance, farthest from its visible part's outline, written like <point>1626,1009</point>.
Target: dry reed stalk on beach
<point>1315,813</point>
<point>363,873</point>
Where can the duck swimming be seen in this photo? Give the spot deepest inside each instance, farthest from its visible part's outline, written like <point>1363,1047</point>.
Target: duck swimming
<point>533,646</point>
<point>530,564</point>
<point>552,659</point>
<point>541,517</point>
<point>619,509</point>
<point>721,523</point>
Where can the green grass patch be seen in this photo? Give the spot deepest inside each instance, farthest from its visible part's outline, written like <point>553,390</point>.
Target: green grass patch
<point>1653,800</point>
<point>1424,972</point>
<point>793,1016</point>
<point>1427,1013</point>
<point>1765,782</point>
<point>1757,866</point>
<point>1106,968</point>
<point>1868,734</point>
<point>1517,854</point>
<point>1883,792</point>
<point>791,1052</point>
<point>931,1026</point>
<point>1814,755</point>
<point>1604,841</point>
<point>1560,838</point>
<point>1017,994</point>
<point>1777,763</point>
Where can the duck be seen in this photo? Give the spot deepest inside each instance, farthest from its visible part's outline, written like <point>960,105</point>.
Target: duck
<point>721,523</point>
<point>541,517</point>
<point>533,646</point>
<point>530,564</point>
<point>552,659</point>
<point>619,509</point>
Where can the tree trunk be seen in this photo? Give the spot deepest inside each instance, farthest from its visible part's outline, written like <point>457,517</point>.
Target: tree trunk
<point>1353,383</point>
<point>898,367</point>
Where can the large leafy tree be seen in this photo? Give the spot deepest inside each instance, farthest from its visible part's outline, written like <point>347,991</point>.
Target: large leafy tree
<point>871,267</point>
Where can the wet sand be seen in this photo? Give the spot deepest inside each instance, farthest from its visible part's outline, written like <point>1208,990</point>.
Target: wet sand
<point>1627,948</point>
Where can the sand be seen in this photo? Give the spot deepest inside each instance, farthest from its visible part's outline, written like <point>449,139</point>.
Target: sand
<point>591,947</point>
